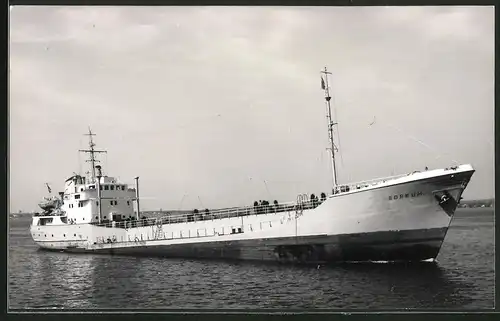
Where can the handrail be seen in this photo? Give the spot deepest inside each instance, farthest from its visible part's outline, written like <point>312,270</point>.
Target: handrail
<point>48,214</point>
<point>344,188</point>
<point>388,178</point>
<point>377,180</point>
<point>243,211</point>
<point>221,214</point>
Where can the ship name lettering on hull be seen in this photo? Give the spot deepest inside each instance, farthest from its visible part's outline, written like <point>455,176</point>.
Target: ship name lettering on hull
<point>406,195</point>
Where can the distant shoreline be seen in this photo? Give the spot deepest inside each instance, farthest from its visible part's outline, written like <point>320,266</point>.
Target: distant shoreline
<point>463,204</point>
<point>477,203</point>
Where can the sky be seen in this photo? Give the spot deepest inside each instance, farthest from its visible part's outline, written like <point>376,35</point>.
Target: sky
<point>221,106</point>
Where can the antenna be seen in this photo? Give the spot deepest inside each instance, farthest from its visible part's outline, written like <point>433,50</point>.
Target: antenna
<point>333,148</point>
<point>92,153</point>
<point>48,188</point>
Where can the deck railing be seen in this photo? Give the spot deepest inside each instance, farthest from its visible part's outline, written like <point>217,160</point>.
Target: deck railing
<point>49,214</point>
<point>364,184</point>
<point>245,211</point>
<point>214,214</point>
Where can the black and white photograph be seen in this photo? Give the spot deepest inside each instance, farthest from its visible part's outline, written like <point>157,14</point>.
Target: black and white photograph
<point>251,157</point>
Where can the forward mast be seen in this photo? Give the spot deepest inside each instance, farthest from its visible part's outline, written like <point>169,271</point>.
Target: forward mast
<point>332,148</point>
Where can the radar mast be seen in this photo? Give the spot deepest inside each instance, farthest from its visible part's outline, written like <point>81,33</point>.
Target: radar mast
<point>92,153</point>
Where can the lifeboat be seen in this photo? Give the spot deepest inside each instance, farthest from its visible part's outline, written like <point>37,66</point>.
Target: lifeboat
<point>49,203</point>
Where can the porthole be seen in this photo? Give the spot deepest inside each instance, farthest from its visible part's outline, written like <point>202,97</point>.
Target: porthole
<point>64,235</point>
<point>52,235</point>
<point>75,234</point>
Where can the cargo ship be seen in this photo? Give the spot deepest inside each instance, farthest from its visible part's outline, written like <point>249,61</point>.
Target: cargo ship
<point>397,218</point>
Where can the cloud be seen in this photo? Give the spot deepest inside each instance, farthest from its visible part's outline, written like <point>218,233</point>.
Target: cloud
<point>197,99</point>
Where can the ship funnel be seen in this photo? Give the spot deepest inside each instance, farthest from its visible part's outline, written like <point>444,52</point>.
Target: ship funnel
<point>99,172</point>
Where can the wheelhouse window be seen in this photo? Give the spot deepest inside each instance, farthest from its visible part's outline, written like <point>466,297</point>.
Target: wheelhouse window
<point>91,186</point>
<point>100,187</point>
<point>106,187</point>
<point>123,187</point>
<point>77,196</point>
<point>112,187</point>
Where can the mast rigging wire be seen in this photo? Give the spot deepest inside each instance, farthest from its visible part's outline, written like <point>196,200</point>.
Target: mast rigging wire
<point>338,130</point>
<point>421,142</point>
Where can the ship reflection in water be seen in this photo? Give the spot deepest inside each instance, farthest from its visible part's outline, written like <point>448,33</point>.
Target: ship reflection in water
<point>88,281</point>
<point>463,277</point>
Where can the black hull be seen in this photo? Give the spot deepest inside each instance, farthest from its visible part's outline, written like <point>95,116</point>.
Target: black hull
<point>395,246</point>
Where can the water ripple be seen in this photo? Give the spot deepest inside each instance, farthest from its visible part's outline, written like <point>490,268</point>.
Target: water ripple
<point>462,277</point>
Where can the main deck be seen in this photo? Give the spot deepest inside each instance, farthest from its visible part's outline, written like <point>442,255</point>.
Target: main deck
<point>303,202</point>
